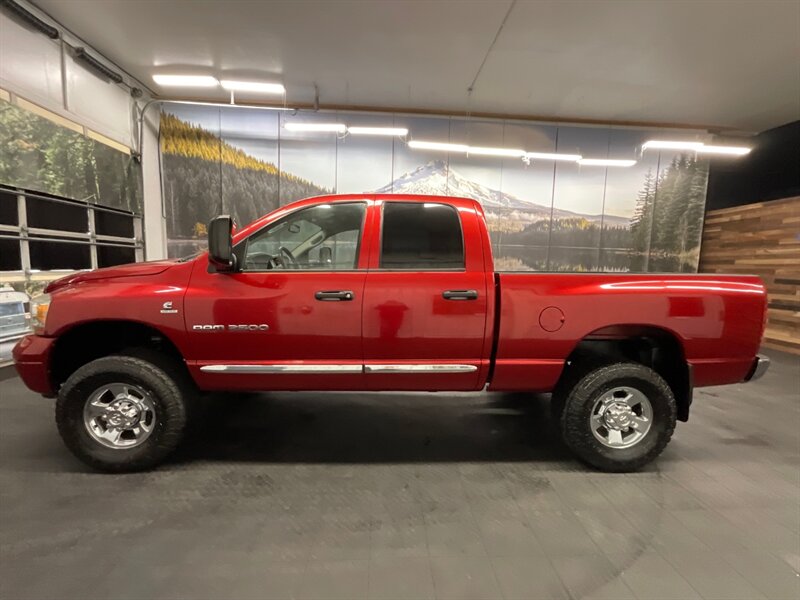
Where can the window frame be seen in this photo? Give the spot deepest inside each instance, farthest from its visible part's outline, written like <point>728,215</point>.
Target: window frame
<point>240,249</point>
<point>380,266</point>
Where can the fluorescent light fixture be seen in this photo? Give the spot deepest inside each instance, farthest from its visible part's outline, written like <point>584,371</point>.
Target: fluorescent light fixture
<point>186,80</point>
<point>401,131</point>
<point>463,148</point>
<point>420,145</point>
<point>480,151</point>
<point>226,105</point>
<point>550,156</point>
<point>320,127</point>
<point>671,145</point>
<point>734,150</point>
<point>699,147</point>
<point>253,86</point>
<point>606,162</point>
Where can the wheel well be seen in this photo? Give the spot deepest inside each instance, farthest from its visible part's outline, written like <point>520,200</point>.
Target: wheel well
<point>89,341</point>
<point>656,348</point>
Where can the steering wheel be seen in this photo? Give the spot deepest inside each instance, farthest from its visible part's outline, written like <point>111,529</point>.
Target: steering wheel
<point>283,250</point>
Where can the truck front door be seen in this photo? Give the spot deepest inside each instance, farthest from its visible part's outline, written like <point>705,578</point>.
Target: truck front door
<point>425,301</point>
<point>290,317</point>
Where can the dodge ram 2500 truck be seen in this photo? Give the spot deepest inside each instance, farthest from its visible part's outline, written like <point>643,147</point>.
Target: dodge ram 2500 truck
<point>380,292</point>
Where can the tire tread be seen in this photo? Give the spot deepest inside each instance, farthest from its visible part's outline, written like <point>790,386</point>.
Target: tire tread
<point>172,395</point>
<point>578,436</point>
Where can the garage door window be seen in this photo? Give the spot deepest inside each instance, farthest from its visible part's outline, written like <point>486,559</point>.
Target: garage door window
<point>422,236</point>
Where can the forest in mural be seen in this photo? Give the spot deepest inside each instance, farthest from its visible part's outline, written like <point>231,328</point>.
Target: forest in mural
<point>40,155</point>
<point>205,176</point>
<point>668,220</point>
<point>541,217</point>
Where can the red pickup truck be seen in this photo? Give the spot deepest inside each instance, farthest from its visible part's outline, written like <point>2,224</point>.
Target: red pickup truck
<point>381,292</point>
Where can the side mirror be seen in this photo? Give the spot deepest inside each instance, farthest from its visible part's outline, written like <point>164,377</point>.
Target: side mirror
<point>220,247</point>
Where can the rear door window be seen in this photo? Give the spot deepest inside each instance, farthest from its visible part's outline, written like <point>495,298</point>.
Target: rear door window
<point>421,236</point>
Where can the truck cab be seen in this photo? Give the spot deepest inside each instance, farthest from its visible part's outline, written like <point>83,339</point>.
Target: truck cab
<point>354,293</point>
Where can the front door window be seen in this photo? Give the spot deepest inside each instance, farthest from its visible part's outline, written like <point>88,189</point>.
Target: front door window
<point>321,237</point>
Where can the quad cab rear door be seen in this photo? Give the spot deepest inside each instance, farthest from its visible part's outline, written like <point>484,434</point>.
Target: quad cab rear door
<point>426,297</point>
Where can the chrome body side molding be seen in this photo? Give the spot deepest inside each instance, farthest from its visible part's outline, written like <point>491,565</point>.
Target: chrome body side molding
<point>424,368</point>
<point>283,369</point>
<point>313,369</point>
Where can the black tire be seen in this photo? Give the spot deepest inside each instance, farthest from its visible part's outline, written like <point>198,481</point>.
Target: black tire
<point>579,401</point>
<point>166,387</point>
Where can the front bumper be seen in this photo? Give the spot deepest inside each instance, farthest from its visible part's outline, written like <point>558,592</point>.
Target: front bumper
<point>760,366</point>
<point>32,361</point>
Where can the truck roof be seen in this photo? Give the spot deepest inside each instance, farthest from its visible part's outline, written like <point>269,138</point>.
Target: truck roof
<point>453,200</point>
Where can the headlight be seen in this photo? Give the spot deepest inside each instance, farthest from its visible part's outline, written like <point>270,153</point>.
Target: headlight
<point>39,307</point>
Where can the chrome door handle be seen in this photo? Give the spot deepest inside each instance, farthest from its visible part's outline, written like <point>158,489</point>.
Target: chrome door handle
<point>460,295</point>
<point>335,296</point>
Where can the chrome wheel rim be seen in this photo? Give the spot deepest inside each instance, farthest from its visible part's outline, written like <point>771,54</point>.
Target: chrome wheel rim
<point>621,417</point>
<point>119,415</point>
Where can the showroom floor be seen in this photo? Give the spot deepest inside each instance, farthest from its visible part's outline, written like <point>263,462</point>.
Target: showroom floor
<point>409,496</point>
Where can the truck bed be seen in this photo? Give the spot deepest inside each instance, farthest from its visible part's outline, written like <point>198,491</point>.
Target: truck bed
<point>542,316</point>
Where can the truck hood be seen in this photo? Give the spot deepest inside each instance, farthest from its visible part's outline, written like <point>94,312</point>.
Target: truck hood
<point>132,270</point>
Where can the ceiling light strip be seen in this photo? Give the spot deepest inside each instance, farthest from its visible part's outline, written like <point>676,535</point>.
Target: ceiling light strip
<point>317,127</point>
<point>401,131</point>
<point>553,156</point>
<point>694,146</point>
<point>252,86</point>
<point>482,151</point>
<point>606,162</point>
<point>204,81</point>
<point>489,151</point>
<point>732,150</point>
<point>442,146</point>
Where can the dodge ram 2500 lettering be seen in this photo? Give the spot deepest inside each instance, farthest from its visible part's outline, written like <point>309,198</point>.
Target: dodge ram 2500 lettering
<point>380,292</point>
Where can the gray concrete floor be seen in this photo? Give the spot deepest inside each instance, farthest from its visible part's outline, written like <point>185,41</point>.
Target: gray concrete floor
<point>409,496</point>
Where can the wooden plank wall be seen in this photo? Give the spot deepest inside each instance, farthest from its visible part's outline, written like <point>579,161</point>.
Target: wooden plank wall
<point>762,239</point>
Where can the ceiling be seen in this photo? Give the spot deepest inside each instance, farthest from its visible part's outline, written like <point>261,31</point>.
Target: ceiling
<point>730,65</point>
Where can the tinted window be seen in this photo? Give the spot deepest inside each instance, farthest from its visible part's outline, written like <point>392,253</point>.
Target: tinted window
<point>325,236</point>
<point>421,236</point>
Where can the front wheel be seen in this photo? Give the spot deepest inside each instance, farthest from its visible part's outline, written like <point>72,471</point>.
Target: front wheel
<point>122,413</point>
<point>618,417</point>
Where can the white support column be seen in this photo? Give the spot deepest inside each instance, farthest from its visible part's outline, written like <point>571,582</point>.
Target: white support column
<point>155,233</point>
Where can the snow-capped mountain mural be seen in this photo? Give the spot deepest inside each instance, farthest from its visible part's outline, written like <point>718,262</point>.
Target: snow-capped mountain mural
<point>436,178</point>
<point>541,217</point>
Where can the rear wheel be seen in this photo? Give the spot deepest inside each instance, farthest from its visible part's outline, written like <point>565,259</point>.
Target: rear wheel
<point>618,417</point>
<point>122,413</point>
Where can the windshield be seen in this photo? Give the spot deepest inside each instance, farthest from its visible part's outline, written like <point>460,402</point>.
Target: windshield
<point>11,308</point>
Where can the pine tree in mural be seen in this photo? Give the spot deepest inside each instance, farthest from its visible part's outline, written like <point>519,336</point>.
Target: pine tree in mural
<point>641,223</point>
<point>667,223</point>
<point>204,176</point>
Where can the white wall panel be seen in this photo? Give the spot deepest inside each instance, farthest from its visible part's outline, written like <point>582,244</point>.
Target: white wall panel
<point>102,105</point>
<point>30,63</point>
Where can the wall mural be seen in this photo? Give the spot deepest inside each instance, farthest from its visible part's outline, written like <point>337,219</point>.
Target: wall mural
<point>543,215</point>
